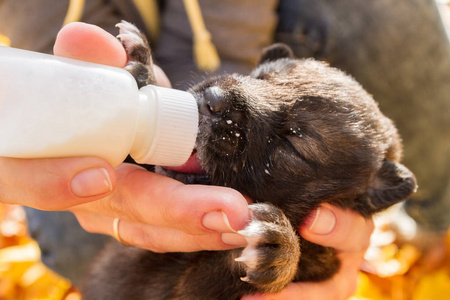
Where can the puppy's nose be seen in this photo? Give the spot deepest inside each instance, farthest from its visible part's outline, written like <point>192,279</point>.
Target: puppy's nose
<point>213,101</point>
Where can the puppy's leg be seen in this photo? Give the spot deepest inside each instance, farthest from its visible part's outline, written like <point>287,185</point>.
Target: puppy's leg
<point>273,251</point>
<point>140,63</point>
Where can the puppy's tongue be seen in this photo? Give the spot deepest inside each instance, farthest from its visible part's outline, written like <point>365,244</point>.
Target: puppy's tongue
<point>192,166</point>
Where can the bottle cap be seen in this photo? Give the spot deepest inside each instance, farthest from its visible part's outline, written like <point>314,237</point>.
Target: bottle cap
<point>176,127</point>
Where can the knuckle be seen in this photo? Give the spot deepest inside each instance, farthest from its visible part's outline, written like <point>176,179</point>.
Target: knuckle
<point>58,191</point>
<point>114,205</point>
<point>156,248</point>
<point>232,197</point>
<point>88,228</point>
<point>178,213</point>
<point>85,224</point>
<point>182,217</point>
<point>123,207</point>
<point>145,240</point>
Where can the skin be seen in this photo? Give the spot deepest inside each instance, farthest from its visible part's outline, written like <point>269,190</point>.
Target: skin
<point>349,250</point>
<point>159,213</point>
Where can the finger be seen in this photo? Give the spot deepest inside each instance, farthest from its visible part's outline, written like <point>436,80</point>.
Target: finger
<point>161,77</point>
<point>156,239</point>
<point>89,43</point>
<point>161,239</point>
<point>344,230</point>
<point>54,184</point>
<point>146,197</point>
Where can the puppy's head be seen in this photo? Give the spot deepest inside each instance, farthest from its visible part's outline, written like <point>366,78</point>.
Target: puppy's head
<point>296,131</point>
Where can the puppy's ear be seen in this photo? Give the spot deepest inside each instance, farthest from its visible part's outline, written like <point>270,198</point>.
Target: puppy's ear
<point>393,183</point>
<point>275,52</point>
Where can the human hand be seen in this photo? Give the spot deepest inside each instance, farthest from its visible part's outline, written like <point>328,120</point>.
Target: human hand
<point>156,212</point>
<point>55,184</point>
<point>347,232</point>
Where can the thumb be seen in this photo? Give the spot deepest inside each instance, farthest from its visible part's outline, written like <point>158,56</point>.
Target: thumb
<point>54,184</point>
<point>344,230</point>
<point>89,43</point>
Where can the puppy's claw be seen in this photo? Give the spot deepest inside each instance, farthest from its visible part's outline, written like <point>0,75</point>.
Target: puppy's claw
<point>127,26</point>
<point>139,63</point>
<point>272,252</point>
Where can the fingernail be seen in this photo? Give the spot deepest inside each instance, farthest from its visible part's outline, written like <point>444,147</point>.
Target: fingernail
<point>91,182</point>
<point>217,221</point>
<point>322,222</point>
<point>234,239</point>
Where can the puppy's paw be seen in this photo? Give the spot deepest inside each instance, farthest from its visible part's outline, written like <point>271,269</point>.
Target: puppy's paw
<point>134,43</point>
<point>139,63</point>
<point>273,251</point>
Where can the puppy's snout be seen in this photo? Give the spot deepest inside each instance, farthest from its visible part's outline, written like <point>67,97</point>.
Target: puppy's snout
<point>214,101</point>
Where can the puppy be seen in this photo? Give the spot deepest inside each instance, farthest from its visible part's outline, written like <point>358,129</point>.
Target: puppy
<point>291,135</point>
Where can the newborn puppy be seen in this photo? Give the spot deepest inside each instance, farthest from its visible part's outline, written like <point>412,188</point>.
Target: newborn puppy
<point>291,135</point>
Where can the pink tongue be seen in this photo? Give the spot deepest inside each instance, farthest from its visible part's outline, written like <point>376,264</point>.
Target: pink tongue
<point>192,166</point>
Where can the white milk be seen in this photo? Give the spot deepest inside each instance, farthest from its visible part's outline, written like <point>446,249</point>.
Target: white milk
<point>57,107</point>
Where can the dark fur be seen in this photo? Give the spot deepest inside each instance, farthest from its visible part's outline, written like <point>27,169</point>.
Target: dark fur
<point>292,135</point>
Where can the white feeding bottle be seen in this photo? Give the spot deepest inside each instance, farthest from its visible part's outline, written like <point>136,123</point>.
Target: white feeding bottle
<point>57,107</point>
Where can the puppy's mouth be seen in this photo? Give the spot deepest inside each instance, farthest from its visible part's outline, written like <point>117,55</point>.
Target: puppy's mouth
<point>192,166</point>
<point>190,172</point>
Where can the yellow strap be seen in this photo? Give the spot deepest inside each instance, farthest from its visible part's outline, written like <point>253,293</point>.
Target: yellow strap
<point>148,9</point>
<point>205,53</point>
<point>4,41</point>
<point>74,12</point>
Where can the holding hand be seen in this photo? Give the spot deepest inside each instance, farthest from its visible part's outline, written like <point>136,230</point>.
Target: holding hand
<point>155,212</point>
<point>349,234</point>
<point>153,209</point>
